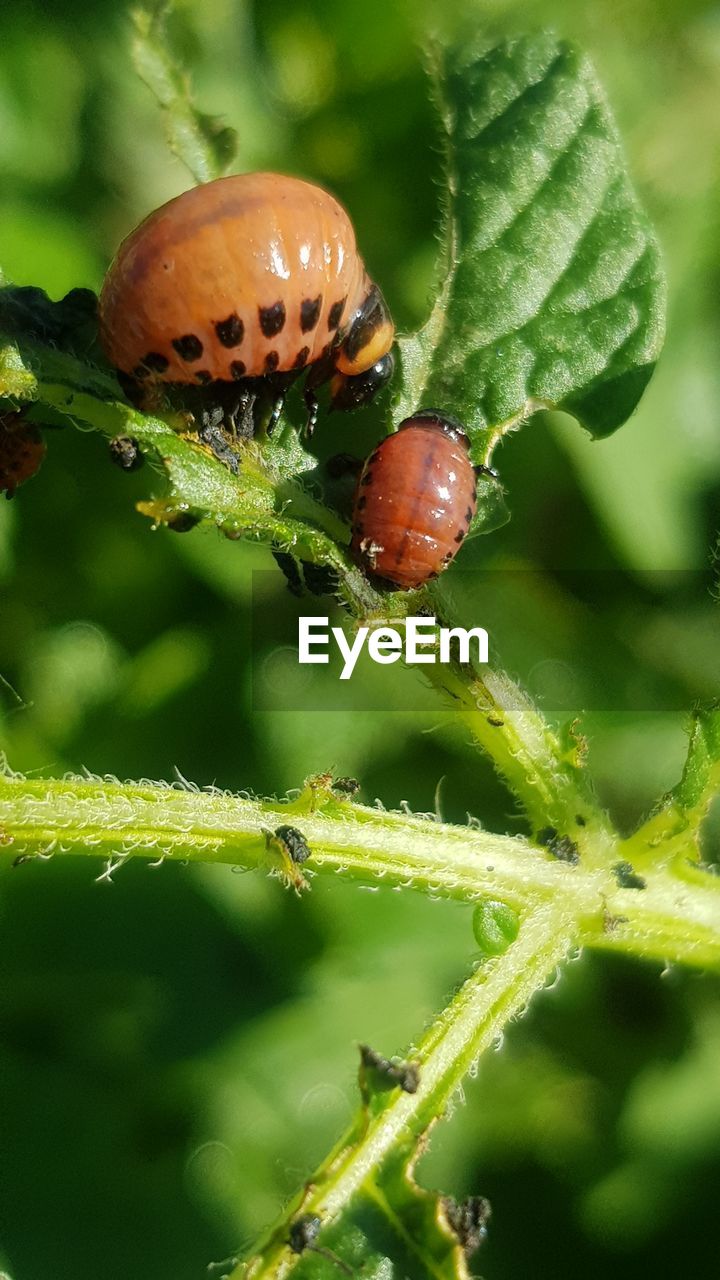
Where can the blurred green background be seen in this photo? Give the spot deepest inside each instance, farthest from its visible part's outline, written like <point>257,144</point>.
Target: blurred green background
<point>179,1047</point>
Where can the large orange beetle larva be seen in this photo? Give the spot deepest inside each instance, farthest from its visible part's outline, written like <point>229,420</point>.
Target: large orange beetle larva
<point>255,276</point>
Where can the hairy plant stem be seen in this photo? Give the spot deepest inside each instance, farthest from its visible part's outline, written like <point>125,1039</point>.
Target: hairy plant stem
<point>676,917</point>
<point>475,1019</point>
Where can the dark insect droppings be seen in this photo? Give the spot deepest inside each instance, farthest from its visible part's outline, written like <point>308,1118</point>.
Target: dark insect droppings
<point>288,565</point>
<point>125,452</point>
<point>189,347</point>
<point>346,786</point>
<point>304,1231</point>
<point>183,522</point>
<point>388,1074</point>
<point>310,313</point>
<point>230,332</point>
<point>272,319</point>
<point>468,1220</point>
<point>627,877</point>
<point>561,847</point>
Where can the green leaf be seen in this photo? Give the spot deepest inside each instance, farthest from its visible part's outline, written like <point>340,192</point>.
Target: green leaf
<point>701,776</point>
<point>204,144</point>
<point>391,1226</point>
<point>554,294</point>
<point>673,831</point>
<point>363,1199</point>
<point>45,343</point>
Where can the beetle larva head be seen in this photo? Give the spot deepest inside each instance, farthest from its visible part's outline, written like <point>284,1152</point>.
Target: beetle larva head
<point>369,337</point>
<point>350,391</point>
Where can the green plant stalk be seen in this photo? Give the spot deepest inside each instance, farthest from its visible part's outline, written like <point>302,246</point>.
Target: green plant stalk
<point>476,1018</point>
<point>544,773</point>
<point>547,778</point>
<point>201,142</point>
<point>675,918</point>
<point>250,505</point>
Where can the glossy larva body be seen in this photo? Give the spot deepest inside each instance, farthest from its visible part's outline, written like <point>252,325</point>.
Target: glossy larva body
<point>415,501</point>
<point>247,277</point>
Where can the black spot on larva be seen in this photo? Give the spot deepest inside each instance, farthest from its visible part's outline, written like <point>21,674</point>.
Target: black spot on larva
<point>231,331</point>
<point>272,318</point>
<point>204,376</point>
<point>272,361</point>
<point>367,478</point>
<point>140,371</point>
<point>189,347</point>
<point>459,535</point>
<point>361,503</point>
<point>310,313</point>
<point>469,515</point>
<point>335,314</point>
<point>301,358</point>
<point>238,370</point>
<point>155,362</point>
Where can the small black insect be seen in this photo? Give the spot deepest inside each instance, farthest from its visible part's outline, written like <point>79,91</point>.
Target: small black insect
<point>296,845</point>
